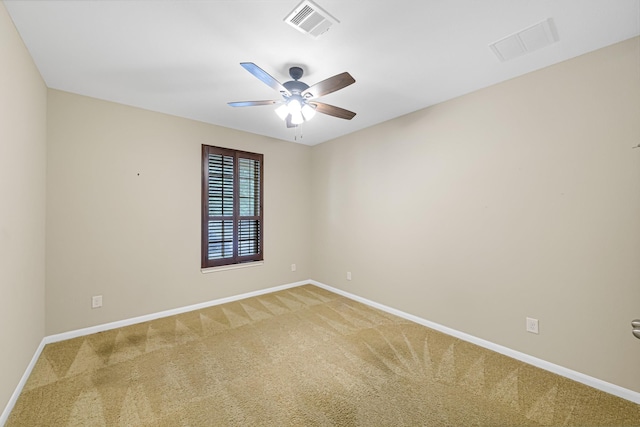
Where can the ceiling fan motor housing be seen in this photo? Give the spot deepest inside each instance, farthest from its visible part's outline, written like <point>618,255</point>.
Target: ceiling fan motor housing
<point>295,87</point>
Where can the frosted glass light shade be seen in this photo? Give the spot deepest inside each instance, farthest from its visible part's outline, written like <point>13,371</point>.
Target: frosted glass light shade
<point>294,106</point>
<point>282,111</point>
<point>299,111</point>
<point>296,118</point>
<point>308,111</point>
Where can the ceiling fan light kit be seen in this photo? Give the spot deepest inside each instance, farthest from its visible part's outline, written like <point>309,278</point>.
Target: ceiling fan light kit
<point>298,103</point>
<point>300,111</point>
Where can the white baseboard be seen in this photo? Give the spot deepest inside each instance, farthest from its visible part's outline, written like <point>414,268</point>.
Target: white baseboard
<point>556,369</point>
<point>121,323</point>
<point>14,397</point>
<point>153,316</point>
<point>523,357</point>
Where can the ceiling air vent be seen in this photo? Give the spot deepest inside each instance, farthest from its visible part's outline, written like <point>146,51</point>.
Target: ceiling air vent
<point>525,41</point>
<point>310,18</point>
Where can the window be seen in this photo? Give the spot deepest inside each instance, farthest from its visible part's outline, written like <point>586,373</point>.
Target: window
<point>232,222</point>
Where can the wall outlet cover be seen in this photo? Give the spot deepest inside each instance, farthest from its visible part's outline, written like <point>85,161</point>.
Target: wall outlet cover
<point>532,325</point>
<point>96,301</point>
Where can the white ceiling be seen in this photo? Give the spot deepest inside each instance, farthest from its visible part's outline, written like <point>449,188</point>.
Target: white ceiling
<point>182,57</point>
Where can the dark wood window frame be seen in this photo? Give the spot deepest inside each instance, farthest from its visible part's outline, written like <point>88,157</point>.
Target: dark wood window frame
<point>232,224</point>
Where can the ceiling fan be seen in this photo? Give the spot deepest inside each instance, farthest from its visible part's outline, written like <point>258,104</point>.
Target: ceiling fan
<point>298,102</point>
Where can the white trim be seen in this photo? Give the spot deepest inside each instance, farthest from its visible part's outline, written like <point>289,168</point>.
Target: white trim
<point>16,393</point>
<point>596,383</point>
<point>231,267</point>
<point>127,322</point>
<point>153,316</point>
<point>543,364</point>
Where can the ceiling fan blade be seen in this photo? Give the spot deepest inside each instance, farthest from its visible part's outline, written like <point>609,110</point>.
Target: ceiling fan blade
<point>329,85</point>
<point>264,77</point>
<point>333,110</point>
<point>251,103</point>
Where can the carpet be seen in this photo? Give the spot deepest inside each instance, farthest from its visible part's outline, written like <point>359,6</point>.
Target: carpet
<point>297,357</point>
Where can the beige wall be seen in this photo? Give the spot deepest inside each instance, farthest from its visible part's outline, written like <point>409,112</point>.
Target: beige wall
<point>123,212</point>
<point>518,200</point>
<point>22,207</point>
<point>522,199</point>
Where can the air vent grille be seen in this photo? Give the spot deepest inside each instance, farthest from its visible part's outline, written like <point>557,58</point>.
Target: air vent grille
<point>306,11</point>
<point>309,18</point>
<point>525,41</point>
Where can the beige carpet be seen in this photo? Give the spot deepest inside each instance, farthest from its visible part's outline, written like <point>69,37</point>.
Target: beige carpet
<point>299,357</point>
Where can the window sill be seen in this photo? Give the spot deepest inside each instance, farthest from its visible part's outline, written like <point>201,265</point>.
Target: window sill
<point>231,267</point>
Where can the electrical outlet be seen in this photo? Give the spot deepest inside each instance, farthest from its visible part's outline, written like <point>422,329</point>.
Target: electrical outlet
<point>532,325</point>
<point>96,301</point>
<point>348,275</point>
<point>293,267</point>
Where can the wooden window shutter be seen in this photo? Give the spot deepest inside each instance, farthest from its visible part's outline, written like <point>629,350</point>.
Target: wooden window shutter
<point>232,220</point>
